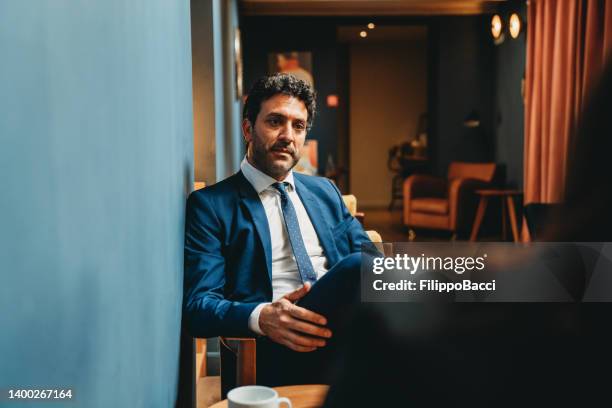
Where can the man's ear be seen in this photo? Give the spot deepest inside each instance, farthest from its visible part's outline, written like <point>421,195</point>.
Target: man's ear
<point>247,130</point>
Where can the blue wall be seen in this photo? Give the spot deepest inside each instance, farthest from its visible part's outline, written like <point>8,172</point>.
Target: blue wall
<point>96,160</point>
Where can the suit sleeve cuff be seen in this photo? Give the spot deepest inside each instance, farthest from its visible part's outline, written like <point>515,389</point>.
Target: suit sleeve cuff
<point>254,319</point>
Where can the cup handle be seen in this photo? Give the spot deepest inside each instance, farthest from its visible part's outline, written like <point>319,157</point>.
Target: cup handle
<point>285,400</point>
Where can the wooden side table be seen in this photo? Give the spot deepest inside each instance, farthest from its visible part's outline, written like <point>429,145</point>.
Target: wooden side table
<point>507,199</point>
<point>301,396</point>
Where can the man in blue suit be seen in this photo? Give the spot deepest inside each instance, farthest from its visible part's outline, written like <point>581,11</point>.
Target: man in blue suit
<point>270,253</point>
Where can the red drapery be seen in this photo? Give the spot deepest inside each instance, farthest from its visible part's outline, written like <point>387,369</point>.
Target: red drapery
<point>568,42</point>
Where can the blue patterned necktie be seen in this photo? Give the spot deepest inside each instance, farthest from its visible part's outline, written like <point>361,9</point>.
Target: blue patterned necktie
<point>302,259</point>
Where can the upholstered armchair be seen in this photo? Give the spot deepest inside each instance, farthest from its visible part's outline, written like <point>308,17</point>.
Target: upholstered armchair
<point>447,204</point>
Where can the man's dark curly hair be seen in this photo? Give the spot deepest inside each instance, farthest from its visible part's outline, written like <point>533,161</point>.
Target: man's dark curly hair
<point>268,86</point>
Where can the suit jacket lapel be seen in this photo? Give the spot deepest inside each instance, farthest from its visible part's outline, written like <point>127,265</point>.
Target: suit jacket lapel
<point>321,227</point>
<point>252,203</point>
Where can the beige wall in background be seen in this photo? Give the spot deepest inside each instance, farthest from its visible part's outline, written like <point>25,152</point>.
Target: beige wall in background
<point>388,92</point>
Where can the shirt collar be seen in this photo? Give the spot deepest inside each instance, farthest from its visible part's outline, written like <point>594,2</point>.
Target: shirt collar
<point>260,180</point>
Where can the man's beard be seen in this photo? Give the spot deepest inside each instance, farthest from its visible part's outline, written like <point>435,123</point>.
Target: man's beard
<point>261,159</point>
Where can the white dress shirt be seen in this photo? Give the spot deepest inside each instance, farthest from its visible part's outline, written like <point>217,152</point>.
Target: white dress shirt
<point>285,275</point>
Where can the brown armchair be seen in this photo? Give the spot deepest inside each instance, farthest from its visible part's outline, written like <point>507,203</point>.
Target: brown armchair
<point>447,204</point>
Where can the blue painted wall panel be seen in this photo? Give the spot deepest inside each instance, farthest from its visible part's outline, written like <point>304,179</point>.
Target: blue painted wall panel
<point>96,154</point>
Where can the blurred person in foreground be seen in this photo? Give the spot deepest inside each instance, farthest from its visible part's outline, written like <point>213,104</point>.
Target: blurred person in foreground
<point>501,354</point>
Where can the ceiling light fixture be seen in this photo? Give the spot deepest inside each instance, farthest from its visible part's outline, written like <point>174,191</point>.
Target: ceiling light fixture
<point>363,34</point>
<point>371,26</point>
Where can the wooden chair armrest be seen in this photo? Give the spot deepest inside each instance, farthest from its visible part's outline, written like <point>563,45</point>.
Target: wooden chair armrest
<point>200,357</point>
<point>374,236</point>
<point>350,201</point>
<point>245,349</point>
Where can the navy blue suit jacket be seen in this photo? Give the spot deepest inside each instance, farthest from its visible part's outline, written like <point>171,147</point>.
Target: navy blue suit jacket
<point>228,267</point>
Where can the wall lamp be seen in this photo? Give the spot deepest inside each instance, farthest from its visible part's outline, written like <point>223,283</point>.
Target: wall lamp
<point>497,27</point>
<point>515,25</point>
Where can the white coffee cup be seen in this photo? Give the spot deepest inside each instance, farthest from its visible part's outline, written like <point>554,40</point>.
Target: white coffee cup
<point>255,396</point>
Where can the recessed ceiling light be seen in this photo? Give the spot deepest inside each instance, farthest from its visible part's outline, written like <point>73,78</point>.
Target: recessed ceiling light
<point>371,26</point>
<point>363,34</point>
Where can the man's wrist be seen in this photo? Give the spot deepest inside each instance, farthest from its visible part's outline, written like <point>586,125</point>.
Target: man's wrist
<point>254,319</point>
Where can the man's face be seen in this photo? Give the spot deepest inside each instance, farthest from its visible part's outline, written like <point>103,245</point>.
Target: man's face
<point>276,139</point>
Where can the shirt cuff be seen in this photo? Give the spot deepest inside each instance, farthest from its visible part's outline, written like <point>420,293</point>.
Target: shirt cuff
<point>254,319</point>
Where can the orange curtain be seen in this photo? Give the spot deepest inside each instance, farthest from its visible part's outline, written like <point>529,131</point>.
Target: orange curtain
<point>568,42</point>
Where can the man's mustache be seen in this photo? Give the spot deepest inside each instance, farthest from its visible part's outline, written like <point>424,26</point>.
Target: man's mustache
<point>284,146</point>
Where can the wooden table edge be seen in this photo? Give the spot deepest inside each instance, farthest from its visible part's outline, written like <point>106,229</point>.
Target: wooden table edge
<point>306,393</point>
